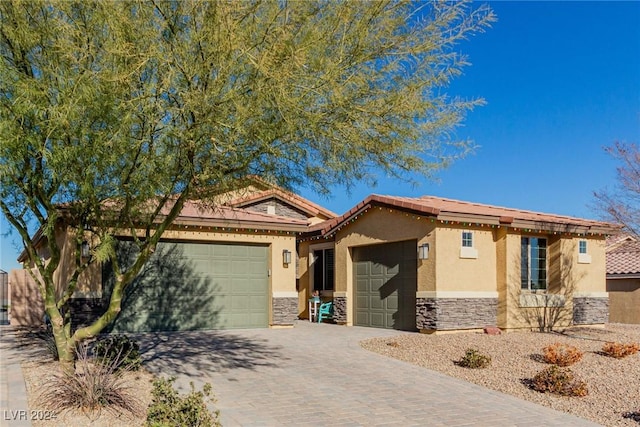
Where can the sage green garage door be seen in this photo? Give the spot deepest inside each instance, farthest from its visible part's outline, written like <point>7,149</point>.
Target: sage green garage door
<point>385,282</point>
<point>190,286</point>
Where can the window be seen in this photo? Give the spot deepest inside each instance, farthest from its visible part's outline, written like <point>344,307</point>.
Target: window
<point>533,263</point>
<point>323,269</point>
<point>467,239</point>
<point>467,250</point>
<point>582,247</point>
<point>583,256</point>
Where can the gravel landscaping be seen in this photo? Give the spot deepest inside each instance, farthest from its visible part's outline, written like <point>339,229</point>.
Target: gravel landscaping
<point>613,384</point>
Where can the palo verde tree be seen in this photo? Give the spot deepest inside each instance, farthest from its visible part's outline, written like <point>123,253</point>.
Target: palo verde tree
<point>622,203</point>
<point>112,114</point>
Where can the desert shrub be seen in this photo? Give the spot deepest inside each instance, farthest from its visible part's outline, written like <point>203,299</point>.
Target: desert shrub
<point>474,359</point>
<point>561,354</point>
<point>91,388</point>
<point>119,350</point>
<point>620,350</point>
<point>169,408</point>
<point>559,381</point>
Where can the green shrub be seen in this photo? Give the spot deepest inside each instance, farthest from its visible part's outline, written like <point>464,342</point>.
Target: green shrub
<point>119,350</point>
<point>169,408</point>
<point>561,354</point>
<point>558,381</point>
<point>473,359</point>
<point>620,350</point>
<point>91,388</point>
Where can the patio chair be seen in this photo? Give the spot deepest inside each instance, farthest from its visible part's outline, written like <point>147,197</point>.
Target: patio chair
<point>325,311</point>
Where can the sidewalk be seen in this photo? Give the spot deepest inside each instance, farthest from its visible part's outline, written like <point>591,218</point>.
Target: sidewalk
<point>14,410</point>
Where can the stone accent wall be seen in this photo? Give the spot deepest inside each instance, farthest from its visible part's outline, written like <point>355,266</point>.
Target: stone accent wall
<point>340,309</point>
<point>282,209</point>
<point>590,310</point>
<point>285,311</point>
<point>85,311</point>
<point>455,313</point>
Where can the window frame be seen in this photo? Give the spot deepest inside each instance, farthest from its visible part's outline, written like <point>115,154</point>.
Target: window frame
<point>467,239</point>
<point>583,248</point>
<point>529,260</point>
<point>313,266</point>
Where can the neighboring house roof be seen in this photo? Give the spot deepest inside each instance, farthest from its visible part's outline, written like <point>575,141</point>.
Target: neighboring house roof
<point>460,211</point>
<point>195,213</point>
<point>301,203</point>
<point>623,257</point>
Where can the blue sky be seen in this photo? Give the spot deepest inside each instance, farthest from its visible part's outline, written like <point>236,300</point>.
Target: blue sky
<point>561,81</point>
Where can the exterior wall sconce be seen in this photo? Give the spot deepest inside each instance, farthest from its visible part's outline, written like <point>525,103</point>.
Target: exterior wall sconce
<point>423,251</point>
<point>286,257</point>
<point>84,249</point>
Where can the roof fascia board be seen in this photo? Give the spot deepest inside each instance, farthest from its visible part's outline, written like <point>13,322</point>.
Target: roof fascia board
<point>245,225</point>
<point>619,276</point>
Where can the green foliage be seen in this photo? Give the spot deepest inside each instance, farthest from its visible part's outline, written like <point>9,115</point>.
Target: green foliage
<point>561,354</point>
<point>620,350</point>
<point>114,113</point>
<point>91,388</point>
<point>558,381</point>
<point>474,359</point>
<point>169,408</point>
<point>118,350</point>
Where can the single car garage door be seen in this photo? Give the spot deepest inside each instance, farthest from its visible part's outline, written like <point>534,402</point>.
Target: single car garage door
<point>190,286</point>
<point>385,282</point>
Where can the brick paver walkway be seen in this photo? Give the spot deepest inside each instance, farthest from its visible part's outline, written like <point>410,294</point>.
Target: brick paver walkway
<point>316,375</point>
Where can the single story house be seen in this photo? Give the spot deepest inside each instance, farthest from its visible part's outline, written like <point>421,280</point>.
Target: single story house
<point>426,263</point>
<point>435,264</point>
<point>623,278</point>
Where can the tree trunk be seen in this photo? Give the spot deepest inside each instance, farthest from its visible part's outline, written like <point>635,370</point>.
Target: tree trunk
<point>65,347</point>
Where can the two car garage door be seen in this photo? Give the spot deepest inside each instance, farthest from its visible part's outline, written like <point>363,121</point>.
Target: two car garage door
<point>190,286</point>
<point>385,285</point>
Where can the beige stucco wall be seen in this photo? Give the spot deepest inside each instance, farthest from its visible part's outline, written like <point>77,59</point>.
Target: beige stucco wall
<point>624,300</point>
<point>382,225</point>
<point>567,277</point>
<point>457,271</point>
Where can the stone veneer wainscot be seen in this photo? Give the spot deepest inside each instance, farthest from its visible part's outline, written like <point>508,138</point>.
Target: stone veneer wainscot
<point>445,313</point>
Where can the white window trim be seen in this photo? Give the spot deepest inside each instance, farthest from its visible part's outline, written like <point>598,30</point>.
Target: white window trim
<point>468,252</point>
<point>584,258</point>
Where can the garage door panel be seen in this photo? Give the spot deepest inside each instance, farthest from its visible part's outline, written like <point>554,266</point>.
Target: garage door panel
<point>385,282</point>
<point>375,303</point>
<point>392,302</point>
<point>199,286</point>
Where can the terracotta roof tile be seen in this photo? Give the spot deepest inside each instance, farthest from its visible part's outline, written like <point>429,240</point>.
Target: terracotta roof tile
<point>199,211</point>
<point>439,207</point>
<point>624,258</point>
<point>301,202</point>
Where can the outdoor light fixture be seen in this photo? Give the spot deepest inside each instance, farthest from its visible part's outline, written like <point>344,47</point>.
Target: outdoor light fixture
<point>84,250</point>
<point>286,257</point>
<point>423,251</point>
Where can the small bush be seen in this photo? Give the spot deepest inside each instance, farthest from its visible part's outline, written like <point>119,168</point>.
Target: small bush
<point>561,354</point>
<point>558,381</point>
<point>170,409</point>
<point>620,350</point>
<point>473,359</point>
<point>91,388</point>
<point>119,350</point>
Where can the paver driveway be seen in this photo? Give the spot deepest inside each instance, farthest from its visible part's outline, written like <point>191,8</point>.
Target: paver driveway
<point>318,375</point>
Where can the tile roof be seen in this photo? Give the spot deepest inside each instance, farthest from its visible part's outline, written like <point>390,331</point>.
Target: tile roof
<point>194,212</point>
<point>456,210</point>
<point>623,256</point>
<point>298,201</point>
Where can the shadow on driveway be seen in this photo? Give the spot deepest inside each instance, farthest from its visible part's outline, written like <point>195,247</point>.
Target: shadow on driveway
<point>205,352</point>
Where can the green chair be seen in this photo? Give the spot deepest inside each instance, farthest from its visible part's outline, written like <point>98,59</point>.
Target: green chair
<point>325,311</point>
